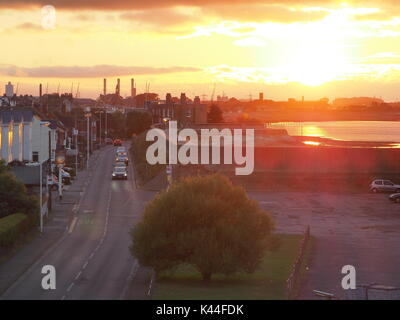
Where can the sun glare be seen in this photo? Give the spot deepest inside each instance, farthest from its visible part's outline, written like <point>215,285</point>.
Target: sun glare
<point>318,54</point>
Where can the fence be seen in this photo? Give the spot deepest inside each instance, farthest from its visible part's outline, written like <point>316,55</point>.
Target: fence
<point>292,281</point>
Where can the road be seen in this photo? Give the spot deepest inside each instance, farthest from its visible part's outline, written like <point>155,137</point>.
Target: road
<point>92,259</point>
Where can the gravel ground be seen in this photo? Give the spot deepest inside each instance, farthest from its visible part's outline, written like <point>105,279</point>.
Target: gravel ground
<point>362,230</point>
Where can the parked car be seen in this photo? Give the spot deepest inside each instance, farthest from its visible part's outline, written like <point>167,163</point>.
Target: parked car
<point>395,197</point>
<point>109,141</point>
<point>122,158</point>
<point>384,186</point>
<point>71,171</point>
<point>119,164</point>
<point>120,173</point>
<point>117,143</point>
<point>52,181</point>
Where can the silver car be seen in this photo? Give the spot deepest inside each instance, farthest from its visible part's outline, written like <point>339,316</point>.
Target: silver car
<point>384,186</point>
<point>120,173</point>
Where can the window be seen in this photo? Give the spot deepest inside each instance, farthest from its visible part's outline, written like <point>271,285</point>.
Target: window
<point>35,156</point>
<point>388,183</point>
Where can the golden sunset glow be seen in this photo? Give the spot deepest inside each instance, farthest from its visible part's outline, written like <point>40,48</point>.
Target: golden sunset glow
<point>178,46</point>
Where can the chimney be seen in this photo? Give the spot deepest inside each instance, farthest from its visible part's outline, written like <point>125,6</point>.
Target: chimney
<point>117,90</point>
<point>133,89</point>
<point>40,90</point>
<point>197,100</point>
<point>261,96</point>
<point>168,99</point>
<point>183,98</point>
<point>104,86</point>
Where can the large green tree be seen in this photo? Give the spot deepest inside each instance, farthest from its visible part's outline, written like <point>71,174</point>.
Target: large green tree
<point>13,195</point>
<point>137,122</point>
<point>206,222</point>
<point>214,115</point>
<point>116,122</point>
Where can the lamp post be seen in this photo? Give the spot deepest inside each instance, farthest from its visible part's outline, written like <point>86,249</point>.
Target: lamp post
<point>76,152</point>
<point>45,124</point>
<point>105,110</point>
<point>87,115</point>
<point>100,112</point>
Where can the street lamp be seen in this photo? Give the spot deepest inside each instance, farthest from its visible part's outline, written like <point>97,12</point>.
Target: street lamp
<point>87,115</point>
<point>100,112</point>
<point>42,124</point>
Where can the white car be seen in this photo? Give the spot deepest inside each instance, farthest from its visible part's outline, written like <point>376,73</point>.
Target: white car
<point>384,186</point>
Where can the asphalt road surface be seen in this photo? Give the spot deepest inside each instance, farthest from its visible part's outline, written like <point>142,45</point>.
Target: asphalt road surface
<point>92,260</point>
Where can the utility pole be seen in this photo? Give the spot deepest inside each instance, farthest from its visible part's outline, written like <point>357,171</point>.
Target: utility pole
<point>87,115</point>
<point>100,128</point>
<point>40,193</point>
<point>60,186</point>
<point>41,178</point>
<point>106,136</point>
<point>76,152</point>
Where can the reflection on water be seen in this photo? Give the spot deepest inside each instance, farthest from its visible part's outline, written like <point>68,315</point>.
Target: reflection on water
<point>312,131</point>
<point>312,143</point>
<point>377,131</point>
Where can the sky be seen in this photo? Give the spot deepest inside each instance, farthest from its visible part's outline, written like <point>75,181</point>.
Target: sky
<point>285,49</point>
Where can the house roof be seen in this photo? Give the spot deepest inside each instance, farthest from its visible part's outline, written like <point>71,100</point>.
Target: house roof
<point>16,115</point>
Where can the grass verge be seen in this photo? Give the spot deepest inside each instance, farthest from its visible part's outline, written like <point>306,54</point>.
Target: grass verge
<point>267,283</point>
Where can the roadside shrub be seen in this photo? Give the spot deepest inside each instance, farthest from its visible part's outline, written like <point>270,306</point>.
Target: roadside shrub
<point>145,171</point>
<point>12,227</point>
<point>206,222</point>
<point>14,197</point>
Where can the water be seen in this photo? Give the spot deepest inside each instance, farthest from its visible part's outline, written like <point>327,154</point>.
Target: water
<point>368,131</point>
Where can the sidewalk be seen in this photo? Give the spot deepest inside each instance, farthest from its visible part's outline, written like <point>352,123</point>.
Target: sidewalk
<point>55,227</point>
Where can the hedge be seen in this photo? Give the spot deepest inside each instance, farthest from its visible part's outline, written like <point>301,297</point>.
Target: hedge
<point>14,226</point>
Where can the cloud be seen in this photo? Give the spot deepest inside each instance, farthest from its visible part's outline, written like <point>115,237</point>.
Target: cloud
<point>135,4</point>
<point>154,4</point>
<point>88,71</point>
<point>28,26</point>
<point>263,13</point>
<point>169,20</point>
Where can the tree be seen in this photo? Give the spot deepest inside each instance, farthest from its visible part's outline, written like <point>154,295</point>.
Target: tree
<point>13,195</point>
<point>116,124</point>
<point>137,122</point>
<point>206,222</point>
<point>215,114</point>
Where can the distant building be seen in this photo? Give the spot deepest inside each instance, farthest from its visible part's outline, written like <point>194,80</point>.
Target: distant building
<point>357,101</point>
<point>182,110</point>
<point>9,90</point>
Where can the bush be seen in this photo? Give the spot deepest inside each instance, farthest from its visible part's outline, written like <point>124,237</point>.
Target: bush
<point>206,222</point>
<point>145,171</point>
<point>137,122</point>
<point>14,197</point>
<point>12,227</point>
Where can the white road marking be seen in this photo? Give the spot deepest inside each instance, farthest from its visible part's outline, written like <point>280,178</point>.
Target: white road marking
<point>70,287</point>
<point>73,224</point>
<point>78,275</point>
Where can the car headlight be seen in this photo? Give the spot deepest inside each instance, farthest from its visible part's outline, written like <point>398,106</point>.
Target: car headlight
<point>125,174</point>
<point>113,174</point>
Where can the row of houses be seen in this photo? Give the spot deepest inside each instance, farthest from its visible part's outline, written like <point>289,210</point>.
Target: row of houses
<point>27,136</point>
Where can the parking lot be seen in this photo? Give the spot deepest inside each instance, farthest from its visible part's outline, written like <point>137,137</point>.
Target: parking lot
<point>362,230</point>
